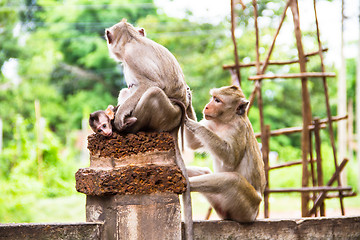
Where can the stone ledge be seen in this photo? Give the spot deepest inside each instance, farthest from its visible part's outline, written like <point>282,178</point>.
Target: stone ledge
<point>130,180</point>
<point>285,229</point>
<point>50,231</point>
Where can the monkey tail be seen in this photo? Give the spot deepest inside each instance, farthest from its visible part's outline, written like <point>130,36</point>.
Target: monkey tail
<point>182,120</point>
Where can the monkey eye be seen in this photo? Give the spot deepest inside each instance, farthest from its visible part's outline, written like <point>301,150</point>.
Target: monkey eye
<point>104,125</point>
<point>217,100</point>
<point>99,131</point>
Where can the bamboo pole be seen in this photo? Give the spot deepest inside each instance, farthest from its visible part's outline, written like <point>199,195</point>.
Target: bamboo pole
<point>233,24</point>
<point>310,189</point>
<point>257,64</point>
<point>273,62</point>
<point>292,75</point>
<point>312,168</point>
<point>274,39</point>
<point>266,150</point>
<point>320,181</point>
<point>292,130</point>
<point>306,109</point>
<point>334,177</point>
<point>287,164</point>
<point>328,110</point>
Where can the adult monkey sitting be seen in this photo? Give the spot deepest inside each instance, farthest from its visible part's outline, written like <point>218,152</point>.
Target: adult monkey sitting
<point>158,90</point>
<point>235,189</point>
<point>152,75</point>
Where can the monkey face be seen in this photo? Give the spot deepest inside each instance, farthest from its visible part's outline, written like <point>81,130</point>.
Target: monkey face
<point>226,103</point>
<point>104,126</point>
<point>214,108</point>
<point>100,123</point>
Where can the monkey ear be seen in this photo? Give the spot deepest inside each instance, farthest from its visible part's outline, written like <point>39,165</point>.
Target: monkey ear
<point>110,112</point>
<point>108,36</point>
<point>241,109</point>
<point>142,32</point>
<point>124,20</point>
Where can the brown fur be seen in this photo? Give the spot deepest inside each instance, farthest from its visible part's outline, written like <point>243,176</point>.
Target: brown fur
<point>236,187</point>
<point>153,77</point>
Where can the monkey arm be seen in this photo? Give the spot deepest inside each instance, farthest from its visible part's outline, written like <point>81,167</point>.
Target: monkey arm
<point>128,107</point>
<point>212,142</point>
<point>191,140</point>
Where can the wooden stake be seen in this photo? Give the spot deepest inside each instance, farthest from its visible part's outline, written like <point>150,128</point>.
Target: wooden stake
<point>327,102</point>
<point>322,196</point>
<point>292,75</point>
<point>273,62</point>
<point>236,57</point>
<point>306,109</point>
<point>265,152</point>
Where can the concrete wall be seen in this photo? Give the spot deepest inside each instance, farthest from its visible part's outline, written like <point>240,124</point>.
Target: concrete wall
<point>311,228</point>
<point>50,231</point>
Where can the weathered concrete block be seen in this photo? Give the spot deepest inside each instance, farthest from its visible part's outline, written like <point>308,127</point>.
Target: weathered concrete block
<point>132,186</point>
<point>130,180</point>
<point>50,231</point>
<point>285,229</point>
<point>154,216</point>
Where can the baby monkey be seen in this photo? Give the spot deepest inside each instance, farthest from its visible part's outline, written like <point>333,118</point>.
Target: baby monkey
<point>102,122</point>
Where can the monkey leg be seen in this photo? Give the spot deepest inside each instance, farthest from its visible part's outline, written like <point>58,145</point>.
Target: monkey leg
<point>197,171</point>
<point>155,111</point>
<point>230,194</point>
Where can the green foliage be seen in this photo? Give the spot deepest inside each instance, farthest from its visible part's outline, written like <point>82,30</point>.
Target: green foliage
<point>63,63</point>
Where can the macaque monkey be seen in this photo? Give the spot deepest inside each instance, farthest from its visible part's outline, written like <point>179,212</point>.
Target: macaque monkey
<point>154,77</point>
<point>102,122</point>
<point>236,187</point>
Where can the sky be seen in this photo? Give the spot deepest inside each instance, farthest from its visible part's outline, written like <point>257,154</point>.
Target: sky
<point>329,16</point>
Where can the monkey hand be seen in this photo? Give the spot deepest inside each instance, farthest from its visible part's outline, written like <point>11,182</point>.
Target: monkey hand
<point>129,121</point>
<point>120,119</point>
<point>190,124</point>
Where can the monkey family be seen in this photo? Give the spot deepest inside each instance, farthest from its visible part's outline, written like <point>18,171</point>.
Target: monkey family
<point>157,98</point>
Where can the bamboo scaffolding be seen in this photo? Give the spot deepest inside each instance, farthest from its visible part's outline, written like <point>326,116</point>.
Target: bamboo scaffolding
<point>273,62</point>
<point>291,130</point>
<point>344,194</point>
<point>234,42</point>
<point>328,110</point>
<point>309,189</point>
<point>320,199</point>
<point>292,75</point>
<point>319,171</point>
<point>287,164</point>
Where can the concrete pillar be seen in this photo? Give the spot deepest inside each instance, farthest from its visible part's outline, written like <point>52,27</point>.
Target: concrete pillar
<point>134,195</point>
<point>148,216</point>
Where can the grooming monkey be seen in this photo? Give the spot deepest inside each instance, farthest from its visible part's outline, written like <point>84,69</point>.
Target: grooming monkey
<point>235,189</point>
<point>154,77</point>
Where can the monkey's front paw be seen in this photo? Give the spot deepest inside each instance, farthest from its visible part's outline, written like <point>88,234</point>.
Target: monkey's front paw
<point>119,122</point>
<point>190,124</point>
